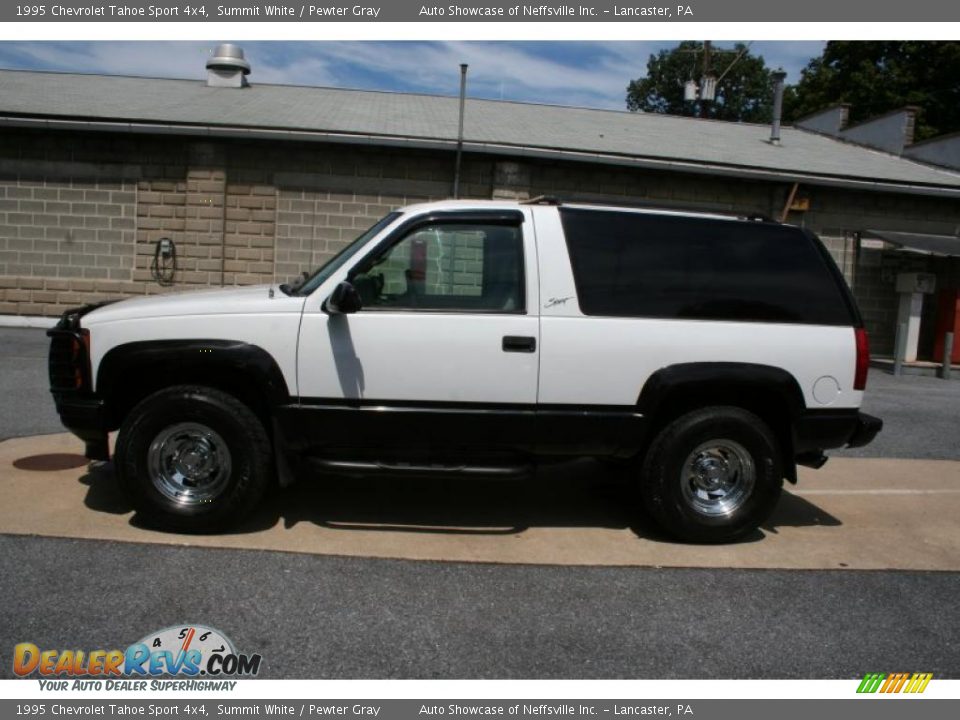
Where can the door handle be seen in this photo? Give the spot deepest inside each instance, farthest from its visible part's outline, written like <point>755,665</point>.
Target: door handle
<point>519,343</point>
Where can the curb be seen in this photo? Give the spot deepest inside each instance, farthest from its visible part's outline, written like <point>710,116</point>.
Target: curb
<point>25,321</point>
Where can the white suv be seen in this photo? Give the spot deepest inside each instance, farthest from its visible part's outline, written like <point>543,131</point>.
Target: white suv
<point>472,338</point>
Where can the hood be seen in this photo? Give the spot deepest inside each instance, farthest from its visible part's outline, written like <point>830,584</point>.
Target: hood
<point>218,301</point>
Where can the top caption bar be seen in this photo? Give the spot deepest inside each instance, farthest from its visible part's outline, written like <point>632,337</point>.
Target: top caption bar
<point>417,11</point>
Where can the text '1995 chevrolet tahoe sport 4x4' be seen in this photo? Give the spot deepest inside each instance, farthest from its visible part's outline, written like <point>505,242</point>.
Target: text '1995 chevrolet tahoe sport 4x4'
<point>711,354</point>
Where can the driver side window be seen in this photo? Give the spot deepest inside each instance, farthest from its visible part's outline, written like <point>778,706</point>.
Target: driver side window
<point>453,267</point>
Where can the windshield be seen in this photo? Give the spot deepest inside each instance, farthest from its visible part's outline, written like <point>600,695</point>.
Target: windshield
<point>321,274</point>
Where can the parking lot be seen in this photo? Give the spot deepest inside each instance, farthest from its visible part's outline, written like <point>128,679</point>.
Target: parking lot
<point>556,577</point>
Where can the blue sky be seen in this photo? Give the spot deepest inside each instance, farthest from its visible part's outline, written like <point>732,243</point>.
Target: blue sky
<point>585,74</point>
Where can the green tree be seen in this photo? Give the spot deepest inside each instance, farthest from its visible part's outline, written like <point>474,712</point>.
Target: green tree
<point>744,90</point>
<point>877,77</point>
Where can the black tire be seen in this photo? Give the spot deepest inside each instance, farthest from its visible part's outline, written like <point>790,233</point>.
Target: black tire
<point>684,475</point>
<point>234,459</point>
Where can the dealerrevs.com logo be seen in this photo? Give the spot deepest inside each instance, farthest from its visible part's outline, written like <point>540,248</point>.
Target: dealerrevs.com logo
<point>182,651</point>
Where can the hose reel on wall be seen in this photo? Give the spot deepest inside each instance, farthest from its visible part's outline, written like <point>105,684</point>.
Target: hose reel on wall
<point>163,267</point>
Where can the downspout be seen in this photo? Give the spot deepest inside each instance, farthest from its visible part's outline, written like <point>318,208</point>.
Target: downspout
<point>223,223</point>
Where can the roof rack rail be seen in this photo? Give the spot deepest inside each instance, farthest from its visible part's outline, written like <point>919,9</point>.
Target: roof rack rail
<point>751,214</point>
<point>542,200</point>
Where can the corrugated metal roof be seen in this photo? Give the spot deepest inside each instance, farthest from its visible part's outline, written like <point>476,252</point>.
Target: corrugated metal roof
<point>734,148</point>
<point>946,245</point>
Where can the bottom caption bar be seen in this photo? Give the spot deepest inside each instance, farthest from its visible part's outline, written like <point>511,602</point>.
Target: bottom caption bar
<point>407,709</point>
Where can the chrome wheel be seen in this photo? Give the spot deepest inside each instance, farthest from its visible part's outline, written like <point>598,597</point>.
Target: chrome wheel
<point>718,477</point>
<point>189,463</point>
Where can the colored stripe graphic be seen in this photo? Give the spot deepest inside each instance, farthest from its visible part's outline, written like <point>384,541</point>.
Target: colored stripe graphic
<point>894,682</point>
<point>919,682</point>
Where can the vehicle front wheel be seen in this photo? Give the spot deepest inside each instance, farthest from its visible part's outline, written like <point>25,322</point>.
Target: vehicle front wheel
<point>193,459</point>
<point>712,475</point>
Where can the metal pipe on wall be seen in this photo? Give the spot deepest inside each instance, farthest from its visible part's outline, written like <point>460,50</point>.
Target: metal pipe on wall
<point>463,97</point>
<point>899,349</point>
<point>947,355</point>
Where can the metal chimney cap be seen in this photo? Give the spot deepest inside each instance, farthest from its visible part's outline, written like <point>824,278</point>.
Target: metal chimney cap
<point>228,57</point>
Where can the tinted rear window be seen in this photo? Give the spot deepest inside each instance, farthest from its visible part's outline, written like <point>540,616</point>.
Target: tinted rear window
<point>662,266</point>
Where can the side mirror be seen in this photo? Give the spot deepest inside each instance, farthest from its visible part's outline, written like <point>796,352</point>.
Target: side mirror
<point>343,300</point>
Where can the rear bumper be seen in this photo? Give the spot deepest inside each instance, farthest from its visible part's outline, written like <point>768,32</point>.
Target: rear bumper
<point>866,430</point>
<point>817,430</point>
<point>85,417</point>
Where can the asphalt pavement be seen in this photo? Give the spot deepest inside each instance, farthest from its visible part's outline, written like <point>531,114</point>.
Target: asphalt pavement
<point>27,407</point>
<point>331,617</point>
<point>921,417</point>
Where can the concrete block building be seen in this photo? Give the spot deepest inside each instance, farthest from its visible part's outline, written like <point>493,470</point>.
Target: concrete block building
<point>256,183</point>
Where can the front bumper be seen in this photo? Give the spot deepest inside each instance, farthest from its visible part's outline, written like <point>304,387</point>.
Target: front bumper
<point>85,417</point>
<point>71,383</point>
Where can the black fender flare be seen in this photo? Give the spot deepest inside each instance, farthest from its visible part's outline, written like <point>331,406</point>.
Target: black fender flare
<point>711,375</point>
<point>203,355</point>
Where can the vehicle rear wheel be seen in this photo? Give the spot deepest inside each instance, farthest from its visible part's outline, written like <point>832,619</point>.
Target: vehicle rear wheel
<point>193,459</point>
<point>712,475</point>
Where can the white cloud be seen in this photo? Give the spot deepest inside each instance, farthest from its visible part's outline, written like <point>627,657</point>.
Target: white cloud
<point>167,59</point>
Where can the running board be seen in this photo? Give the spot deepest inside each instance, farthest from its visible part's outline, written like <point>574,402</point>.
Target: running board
<point>369,467</point>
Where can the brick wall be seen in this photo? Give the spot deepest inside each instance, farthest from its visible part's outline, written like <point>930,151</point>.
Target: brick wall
<point>251,214</point>
<point>587,182</point>
<point>80,213</point>
<point>189,211</point>
<point>61,240</point>
<point>328,197</point>
<point>313,225</point>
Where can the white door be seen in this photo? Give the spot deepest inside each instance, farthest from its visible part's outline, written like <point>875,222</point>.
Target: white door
<point>445,350</point>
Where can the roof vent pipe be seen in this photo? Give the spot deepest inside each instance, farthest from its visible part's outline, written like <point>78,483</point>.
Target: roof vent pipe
<point>227,67</point>
<point>778,77</point>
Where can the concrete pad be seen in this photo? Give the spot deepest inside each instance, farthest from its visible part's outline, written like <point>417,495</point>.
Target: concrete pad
<point>853,513</point>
